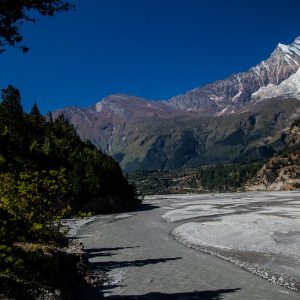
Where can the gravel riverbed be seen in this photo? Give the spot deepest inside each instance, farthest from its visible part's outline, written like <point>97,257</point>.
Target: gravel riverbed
<point>143,260</point>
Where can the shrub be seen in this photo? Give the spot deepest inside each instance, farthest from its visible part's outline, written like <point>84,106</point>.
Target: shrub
<point>31,206</point>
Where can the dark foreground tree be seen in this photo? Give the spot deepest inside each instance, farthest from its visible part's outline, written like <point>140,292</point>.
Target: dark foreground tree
<point>47,173</point>
<point>14,13</point>
<point>31,142</point>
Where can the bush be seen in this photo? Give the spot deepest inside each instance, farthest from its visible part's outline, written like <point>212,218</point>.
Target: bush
<point>31,206</point>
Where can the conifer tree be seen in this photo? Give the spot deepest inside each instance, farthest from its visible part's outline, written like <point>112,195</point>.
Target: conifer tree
<point>35,112</point>
<point>11,114</point>
<point>36,116</point>
<point>11,102</point>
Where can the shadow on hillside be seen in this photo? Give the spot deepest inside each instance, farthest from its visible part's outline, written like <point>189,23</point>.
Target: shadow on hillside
<point>201,295</point>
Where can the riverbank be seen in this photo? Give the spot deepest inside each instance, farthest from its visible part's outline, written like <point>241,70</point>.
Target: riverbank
<point>52,271</point>
<point>142,260</point>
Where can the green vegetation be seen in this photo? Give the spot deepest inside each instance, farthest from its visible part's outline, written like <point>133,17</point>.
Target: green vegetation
<point>33,143</point>
<point>283,170</point>
<point>32,205</point>
<point>221,178</point>
<point>227,177</point>
<point>46,173</point>
<point>183,142</point>
<point>284,148</point>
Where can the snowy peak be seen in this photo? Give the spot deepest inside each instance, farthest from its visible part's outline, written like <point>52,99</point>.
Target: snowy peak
<point>286,60</point>
<point>276,76</point>
<point>287,88</point>
<point>295,47</point>
<point>233,93</point>
<point>241,120</point>
<point>284,48</point>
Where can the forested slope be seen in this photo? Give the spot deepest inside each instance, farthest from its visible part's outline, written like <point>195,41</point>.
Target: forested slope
<point>281,172</point>
<point>33,143</point>
<point>47,173</point>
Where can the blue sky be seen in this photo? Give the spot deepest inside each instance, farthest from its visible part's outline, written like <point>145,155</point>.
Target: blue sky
<point>150,48</point>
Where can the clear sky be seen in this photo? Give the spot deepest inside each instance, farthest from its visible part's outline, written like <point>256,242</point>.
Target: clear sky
<point>150,48</point>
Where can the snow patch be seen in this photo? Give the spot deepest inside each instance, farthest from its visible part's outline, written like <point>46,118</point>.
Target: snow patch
<point>295,47</point>
<point>289,87</point>
<point>284,48</point>
<point>237,95</point>
<point>222,111</point>
<point>266,66</point>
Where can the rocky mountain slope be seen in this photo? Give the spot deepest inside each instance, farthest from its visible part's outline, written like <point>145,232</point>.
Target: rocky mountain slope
<point>241,89</point>
<point>242,117</point>
<point>281,172</point>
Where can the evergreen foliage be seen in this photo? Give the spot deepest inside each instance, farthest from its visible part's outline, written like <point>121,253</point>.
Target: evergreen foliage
<point>33,143</point>
<point>220,178</point>
<point>31,205</point>
<point>46,173</point>
<point>227,177</point>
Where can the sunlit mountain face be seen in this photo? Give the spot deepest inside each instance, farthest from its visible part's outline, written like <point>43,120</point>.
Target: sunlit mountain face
<point>243,117</point>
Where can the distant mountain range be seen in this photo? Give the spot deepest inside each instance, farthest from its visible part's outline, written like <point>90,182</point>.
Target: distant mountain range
<point>241,118</point>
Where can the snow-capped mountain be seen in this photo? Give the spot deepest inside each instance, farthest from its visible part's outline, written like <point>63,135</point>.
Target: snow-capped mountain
<point>241,117</point>
<point>230,95</point>
<point>273,77</point>
<point>287,88</point>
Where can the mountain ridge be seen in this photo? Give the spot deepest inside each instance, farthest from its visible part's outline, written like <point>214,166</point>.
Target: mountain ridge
<point>232,92</point>
<point>218,122</point>
<point>283,62</point>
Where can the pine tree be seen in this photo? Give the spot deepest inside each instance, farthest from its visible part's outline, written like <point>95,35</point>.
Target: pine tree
<point>11,114</point>
<point>11,102</point>
<point>35,112</point>
<point>36,116</point>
